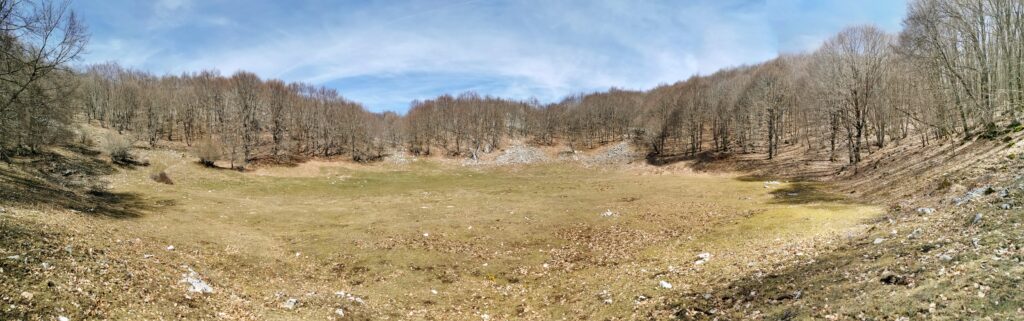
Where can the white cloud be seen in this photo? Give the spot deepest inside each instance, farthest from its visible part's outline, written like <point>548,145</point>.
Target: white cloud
<point>620,57</point>
<point>543,49</point>
<point>122,52</point>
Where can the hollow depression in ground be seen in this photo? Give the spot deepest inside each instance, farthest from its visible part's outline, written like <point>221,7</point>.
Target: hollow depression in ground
<point>431,238</point>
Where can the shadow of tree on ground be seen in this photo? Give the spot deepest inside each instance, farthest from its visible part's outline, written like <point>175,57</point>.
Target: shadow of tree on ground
<point>71,180</point>
<point>805,193</point>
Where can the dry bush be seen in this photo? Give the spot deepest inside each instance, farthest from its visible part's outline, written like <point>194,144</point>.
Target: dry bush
<point>208,151</point>
<point>85,140</point>
<point>120,150</point>
<point>161,177</point>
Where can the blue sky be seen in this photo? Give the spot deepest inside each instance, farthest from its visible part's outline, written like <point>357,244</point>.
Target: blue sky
<point>385,54</point>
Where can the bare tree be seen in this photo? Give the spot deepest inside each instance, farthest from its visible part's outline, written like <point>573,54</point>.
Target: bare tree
<point>37,41</point>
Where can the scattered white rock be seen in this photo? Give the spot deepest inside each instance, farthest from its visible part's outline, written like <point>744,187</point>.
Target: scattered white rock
<point>14,257</point>
<point>609,213</point>
<point>63,318</point>
<point>664,284</point>
<point>976,219</point>
<point>879,240</point>
<point>27,295</point>
<point>971,195</point>
<point>621,153</point>
<point>485,317</point>
<point>398,157</point>
<point>432,291</point>
<point>290,303</point>
<point>352,297</point>
<point>925,210</point>
<point>1006,206</point>
<point>426,234</point>
<point>1004,193</point>
<point>339,312</point>
<point>196,284</point>
<point>605,297</point>
<point>640,299</point>
<point>520,154</point>
<point>170,247</point>
<point>914,234</point>
<point>945,258</point>
<point>146,256</point>
<point>702,258</point>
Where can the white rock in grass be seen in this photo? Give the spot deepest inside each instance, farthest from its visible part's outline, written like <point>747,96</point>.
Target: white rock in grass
<point>339,312</point>
<point>971,195</point>
<point>605,297</point>
<point>350,297</point>
<point>290,303</point>
<point>702,258</point>
<point>664,284</point>
<point>879,240</point>
<point>170,247</point>
<point>63,318</point>
<point>976,219</point>
<point>914,234</point>
<point>640,299</point>
<point>196,284</point>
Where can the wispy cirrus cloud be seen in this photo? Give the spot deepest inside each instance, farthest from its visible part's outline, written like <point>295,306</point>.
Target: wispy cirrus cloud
<point>387,53</point>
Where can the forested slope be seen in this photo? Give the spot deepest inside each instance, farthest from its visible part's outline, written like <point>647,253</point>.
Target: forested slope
<point>954,72</point>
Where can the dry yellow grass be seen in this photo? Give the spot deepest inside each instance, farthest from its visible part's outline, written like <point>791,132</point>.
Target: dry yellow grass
<point>437,241</point>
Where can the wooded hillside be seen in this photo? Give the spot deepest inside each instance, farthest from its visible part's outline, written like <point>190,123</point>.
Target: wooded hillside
<point>955,71</point>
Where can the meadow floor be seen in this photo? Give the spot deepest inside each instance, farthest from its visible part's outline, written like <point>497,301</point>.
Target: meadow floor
<point>428,240</point>
<point>425,240</point>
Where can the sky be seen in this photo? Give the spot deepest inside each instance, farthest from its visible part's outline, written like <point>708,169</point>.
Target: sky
<point>385,54</point>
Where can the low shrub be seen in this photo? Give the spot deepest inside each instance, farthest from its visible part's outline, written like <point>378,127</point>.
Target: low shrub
<point>120,150</point>
<point>161,177</point>
<point>208,151</point>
